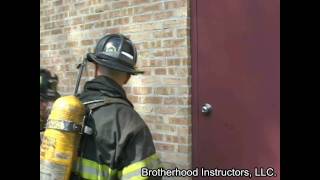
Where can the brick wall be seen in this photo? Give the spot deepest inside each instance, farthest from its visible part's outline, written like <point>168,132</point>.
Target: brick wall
<point>160,29</point>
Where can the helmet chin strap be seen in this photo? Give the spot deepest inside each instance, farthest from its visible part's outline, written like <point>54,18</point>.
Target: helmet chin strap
<point>95,70</point>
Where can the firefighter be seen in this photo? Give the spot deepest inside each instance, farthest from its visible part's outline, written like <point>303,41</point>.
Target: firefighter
<point>119,143</point>
<point>48,94</point>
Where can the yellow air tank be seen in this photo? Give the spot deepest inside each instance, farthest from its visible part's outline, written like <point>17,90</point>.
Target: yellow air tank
<point>58,150</point>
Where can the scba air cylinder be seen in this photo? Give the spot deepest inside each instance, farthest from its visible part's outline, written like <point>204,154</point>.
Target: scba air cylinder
<point>58,150</point>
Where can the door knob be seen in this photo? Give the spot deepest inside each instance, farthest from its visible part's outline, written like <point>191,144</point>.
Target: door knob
<point>206,108</point>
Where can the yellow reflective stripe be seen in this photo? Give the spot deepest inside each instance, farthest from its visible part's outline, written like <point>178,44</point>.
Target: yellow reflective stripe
<point>138,165</point>
<point>92,170</point>
<point>133,176</point>
<point>138,178</point>
<point>133,171</point>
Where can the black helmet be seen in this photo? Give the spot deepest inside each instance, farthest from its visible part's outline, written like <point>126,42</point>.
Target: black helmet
<point>48,85</point>
<point>117,52</point>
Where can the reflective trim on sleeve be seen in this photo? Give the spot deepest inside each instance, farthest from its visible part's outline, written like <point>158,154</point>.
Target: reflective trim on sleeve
<point>93,171</point>
<point>133,171</point>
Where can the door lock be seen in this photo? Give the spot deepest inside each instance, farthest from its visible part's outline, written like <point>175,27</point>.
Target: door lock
<point>206,108</point>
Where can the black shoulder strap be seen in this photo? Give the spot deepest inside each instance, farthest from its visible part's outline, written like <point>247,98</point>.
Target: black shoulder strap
<point>95,104</point>
<point>92,105</point>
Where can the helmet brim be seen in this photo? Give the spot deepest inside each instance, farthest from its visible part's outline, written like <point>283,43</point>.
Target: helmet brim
<point>49,96</point>
<point>113,65</point>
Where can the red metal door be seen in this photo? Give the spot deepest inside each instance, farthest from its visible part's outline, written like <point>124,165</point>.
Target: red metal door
<point>236,69</point>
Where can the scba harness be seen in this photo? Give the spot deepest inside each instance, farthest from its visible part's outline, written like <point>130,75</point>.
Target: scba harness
<point>91,106</point>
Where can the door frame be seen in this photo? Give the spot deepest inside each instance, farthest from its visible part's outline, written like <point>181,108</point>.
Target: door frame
<point>194,85</point>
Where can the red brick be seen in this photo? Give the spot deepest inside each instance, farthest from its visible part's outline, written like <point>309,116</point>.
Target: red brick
<point>71,75</point>
<point>183,139</point>
<point>175,23</point>
<point>164,91</point>
<point>166,110</point>
<point>147,8</point>
<point>91,73</point>
<point>76,21</point>
<point>184,111</point>
<point>126,12</point>
<point>184,101</point>
<point>114,14</point>
<point>108,23</point>
<point>93,2</point>
<point>164,147</point>
<point>44,47</point>
<point>84,11</point>
<point>184,72</point>
<point>106,7</point>
<point>151,26</point>
<point>44,19</point>
<point>170,101</point>
<point>64,52</point>
<point>79,5</point>
<point>141,90</point>
<point>63,8</point>
<point>174,43</point>
<point>99,24</point>
<point>133,99</point>
<point>86,42</point>
<point>58,17</point>
<point>70,59</point>
<point>137,2</point>
<point>183,32</point>
<point>171,138</point>
<point>56,60</point>
<point>120,4</point>
<point>153,119</point>
<point>56,31</point>
<point>157,137</point>
<point>174,62</point>
<point>160,71</point>
<point>138,37</point>
<point>91,18</point>
<point>186,61</point>
<point>151,44</point>
<point>171,71</point>
<point>127,89</point>
<point>121,21</point>
<point>163,15</point>
<point>60,24</point>
<point>71,44</point>
<point>163,53</point>
<point>72,13</point>
<point>184,130</point>
<point>163,34</point>
<point>184,148</point>
<point>131,28</point>
<point>50,12</point>
<point>57,3</point>
<point>141,18</point>
<point>179,121</point>
<point>49,25</point>
<point>175,4</point>
<point>150,100</point>
<point>164,128</point>
<point>112,30</point>
<point>175,81</point>
<point>54,47</point>
<point>153,63</point>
